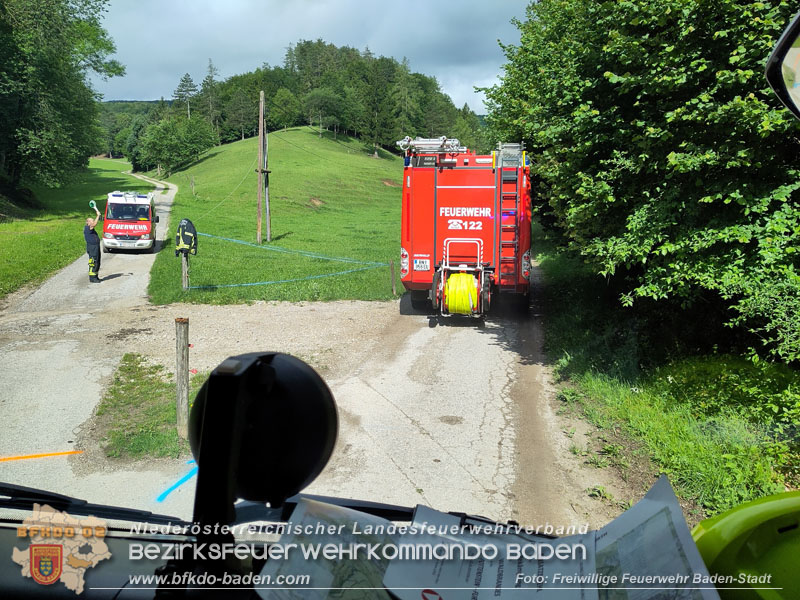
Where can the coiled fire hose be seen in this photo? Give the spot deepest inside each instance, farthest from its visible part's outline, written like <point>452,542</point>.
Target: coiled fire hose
<point>461,294</point>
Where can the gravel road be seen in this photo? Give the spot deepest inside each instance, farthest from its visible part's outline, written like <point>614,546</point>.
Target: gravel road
<point>456,416</point>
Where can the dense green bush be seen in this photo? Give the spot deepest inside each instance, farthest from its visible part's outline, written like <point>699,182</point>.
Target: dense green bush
<point>660,152</point>
<point>762,392</point>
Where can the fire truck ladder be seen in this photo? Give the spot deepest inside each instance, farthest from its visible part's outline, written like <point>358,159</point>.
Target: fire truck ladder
<point>510,160</point>
<point>441,145</point>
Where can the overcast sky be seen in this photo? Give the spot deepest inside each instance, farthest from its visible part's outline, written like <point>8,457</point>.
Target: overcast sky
<point>160,40</point>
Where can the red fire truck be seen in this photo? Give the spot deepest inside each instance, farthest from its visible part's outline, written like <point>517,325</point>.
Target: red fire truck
<point>466,225</point>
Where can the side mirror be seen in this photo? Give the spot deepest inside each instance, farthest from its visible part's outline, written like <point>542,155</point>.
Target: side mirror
<point>262,427</point>
<point>156,219</point>
<point>783,67</point>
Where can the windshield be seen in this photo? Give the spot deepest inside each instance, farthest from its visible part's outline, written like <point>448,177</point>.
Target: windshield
<point>479,361</point>
<point>128,212</point>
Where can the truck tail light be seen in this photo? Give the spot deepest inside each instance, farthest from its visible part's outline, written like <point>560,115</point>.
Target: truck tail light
<point>403,262</point>
<point>526,264</point>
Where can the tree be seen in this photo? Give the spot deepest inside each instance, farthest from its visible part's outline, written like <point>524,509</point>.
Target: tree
<point>111,125</point>
<point>438,115</point>
<point>352,110</point>
<point>469,131</point>
<point>242,113</point>
<point>343,88</point>
<point>173,142</point>
<point>48,112</point>
<point>209,98</point>
<point>161,145</point>
<point>118,149</point>
<point>324,104</point>
<point>377,108</point>
<point>132,149</point>
<point>405,102</point>
<point>197,136</point>
<point>662,154</point>
<point>184,92</point>
<point>284,109</point>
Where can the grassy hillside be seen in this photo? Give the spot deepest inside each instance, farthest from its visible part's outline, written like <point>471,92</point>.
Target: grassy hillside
<point>36,241</point>
<point>328,198</point>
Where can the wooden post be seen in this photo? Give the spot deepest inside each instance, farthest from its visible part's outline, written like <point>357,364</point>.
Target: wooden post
<point>260,160</point>
<point>266,186</point>
<point>182,375</point>
<point>185,270</point>
<point>391,270</point>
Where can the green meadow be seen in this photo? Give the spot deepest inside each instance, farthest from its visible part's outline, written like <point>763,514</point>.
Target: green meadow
<point>329,199</point>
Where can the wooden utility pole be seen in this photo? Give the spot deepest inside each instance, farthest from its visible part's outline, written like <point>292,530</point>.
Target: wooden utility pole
<point>266,186</point>
<point>182,375</point>
<point>263,170</point>
<point>260,161</point>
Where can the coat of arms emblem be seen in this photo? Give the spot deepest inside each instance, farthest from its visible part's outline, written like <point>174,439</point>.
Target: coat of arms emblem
<point>46,562</point>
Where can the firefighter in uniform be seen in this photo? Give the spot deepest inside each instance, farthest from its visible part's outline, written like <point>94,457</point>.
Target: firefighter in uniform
<point>93,247</point>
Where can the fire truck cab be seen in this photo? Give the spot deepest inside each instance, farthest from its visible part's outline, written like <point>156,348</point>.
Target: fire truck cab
<point>466,225</point>
<point>129,222</point>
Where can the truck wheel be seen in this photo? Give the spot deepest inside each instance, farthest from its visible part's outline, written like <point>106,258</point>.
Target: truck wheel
<point>434,290</point>
<point>419,300</point>
<point>486,296</point>
<point>523,303</point>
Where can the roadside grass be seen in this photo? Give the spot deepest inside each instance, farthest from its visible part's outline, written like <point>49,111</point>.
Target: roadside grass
<point>38,240</point>
<point>327,197</point>
<point>723,428</point>
<point>137,415</point>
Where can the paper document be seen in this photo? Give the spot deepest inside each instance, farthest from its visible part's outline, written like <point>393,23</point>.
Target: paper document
<point>498,571</point>
<point>328,552</point>
<point>647,553</point>
<point>649,546</point>
<point>351,578</point>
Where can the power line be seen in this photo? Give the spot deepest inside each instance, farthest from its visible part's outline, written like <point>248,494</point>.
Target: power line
<point>296,146</point>
<point>238,185</point>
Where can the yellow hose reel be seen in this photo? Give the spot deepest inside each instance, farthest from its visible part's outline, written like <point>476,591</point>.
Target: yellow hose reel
<point>461,294</point>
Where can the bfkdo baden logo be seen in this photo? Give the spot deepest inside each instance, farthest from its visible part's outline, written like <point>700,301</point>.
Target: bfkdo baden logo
<point>62,547</point>
<point>45,562</point>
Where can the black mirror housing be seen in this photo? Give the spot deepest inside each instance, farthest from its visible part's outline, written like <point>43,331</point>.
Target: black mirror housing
<point>783,67</point>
